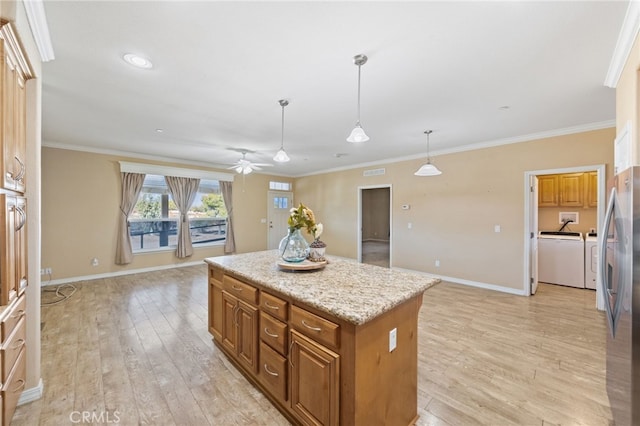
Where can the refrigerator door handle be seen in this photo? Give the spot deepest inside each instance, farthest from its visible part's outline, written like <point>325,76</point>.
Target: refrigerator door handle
<point>603,262</point>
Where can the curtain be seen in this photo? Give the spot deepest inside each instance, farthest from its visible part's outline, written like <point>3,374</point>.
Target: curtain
<point>230,241</point>
<point>131,187</point>
<point>183,190</point>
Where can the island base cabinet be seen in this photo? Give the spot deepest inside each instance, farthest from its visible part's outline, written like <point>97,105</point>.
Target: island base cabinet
<point>315,382</point>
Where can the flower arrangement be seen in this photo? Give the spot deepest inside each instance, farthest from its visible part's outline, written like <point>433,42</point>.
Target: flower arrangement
<point>303,217</point>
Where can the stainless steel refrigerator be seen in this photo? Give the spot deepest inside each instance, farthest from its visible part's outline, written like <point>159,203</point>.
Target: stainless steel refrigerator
<point>620,283</point>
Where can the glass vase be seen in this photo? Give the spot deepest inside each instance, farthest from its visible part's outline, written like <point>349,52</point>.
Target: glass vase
<point>294,248</point>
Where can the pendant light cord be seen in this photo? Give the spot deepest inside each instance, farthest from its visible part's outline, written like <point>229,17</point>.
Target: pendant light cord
<point>282,135</point>
<point>359,66</point>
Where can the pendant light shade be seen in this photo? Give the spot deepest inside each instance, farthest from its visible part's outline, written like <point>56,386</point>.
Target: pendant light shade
<point>281,156</point>
<point>428,169</point>
<point>358,134</point>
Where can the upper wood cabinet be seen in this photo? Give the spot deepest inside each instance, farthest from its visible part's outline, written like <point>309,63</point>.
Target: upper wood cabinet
<point>571,188</point>
<point>568,190</point>
<point>548,191</point>
<point>14,72</point>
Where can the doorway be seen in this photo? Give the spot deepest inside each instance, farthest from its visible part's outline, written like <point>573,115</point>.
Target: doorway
<point>374,225</point>
<point>532,220</point>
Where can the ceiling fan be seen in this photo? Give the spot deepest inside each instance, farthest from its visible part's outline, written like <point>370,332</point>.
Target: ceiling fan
<point>244,166</point>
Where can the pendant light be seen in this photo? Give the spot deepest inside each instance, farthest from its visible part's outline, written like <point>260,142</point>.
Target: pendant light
<point>281,156</point>
<point>358,134</point>
<point>428,169</point>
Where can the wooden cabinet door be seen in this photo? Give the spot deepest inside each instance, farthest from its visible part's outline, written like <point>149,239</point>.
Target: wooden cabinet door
<point>571,190</point>
<point>216,309</point>
<point>20,244</point>
<point>7,249</point>
<point>591,193</point>
<point>248,335</point>
<point>20,141</point>
<point>229,322</point>
<point>315,381</point>
<point>548,191</point>
<point>14,72</point>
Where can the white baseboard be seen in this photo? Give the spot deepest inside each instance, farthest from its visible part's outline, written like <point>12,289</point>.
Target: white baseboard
<point>32,394</point>
<point>470,283</point>
<point>120,273</point>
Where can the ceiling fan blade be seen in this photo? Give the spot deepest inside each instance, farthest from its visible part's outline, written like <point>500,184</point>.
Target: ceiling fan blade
<point>262,164</point>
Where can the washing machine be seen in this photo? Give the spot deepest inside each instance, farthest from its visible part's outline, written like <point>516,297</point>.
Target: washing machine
<point>590,260</point>
<point>561,258</point>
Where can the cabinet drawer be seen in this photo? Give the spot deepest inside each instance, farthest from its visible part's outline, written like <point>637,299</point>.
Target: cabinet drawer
<point>13,388</point>
<point>318,328</point>
<point>12,347</point>
<point>11,319</point>
<point>241,290</point>
<point>273,305</point>
<point>273,371</point>
<point>273,332</point>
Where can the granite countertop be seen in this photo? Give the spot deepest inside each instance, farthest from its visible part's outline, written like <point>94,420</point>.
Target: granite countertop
<point>352,291</point>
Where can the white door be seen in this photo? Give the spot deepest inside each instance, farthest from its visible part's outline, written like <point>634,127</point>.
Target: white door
<point>279,204</point>
<point>533,233</point>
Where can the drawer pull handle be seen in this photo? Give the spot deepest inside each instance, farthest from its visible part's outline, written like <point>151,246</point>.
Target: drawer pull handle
<point>311,327</point>
<point>19,343</point>
<point>20,386</point>
<point>18,314</point>
<point>272,373</point>
<point>270,334</point>
<point>270,306</point>
<point>236,288</point>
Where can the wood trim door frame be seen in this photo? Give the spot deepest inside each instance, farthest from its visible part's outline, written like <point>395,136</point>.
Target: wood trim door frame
<point>528,209</point>
<point>359,229</point>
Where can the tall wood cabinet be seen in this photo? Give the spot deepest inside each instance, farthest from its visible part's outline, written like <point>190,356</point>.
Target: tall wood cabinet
<point>14,73</point>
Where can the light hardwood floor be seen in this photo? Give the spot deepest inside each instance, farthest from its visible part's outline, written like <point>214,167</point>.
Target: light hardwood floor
<point>136,349</point>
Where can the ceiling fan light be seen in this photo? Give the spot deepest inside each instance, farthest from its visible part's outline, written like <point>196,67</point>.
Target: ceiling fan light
<point>281,157</point>
<point>246,170</point>
<point>357,135</point>
<point>428,170</point>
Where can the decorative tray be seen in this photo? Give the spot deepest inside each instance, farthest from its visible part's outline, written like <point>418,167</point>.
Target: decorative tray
<point>305,265</point>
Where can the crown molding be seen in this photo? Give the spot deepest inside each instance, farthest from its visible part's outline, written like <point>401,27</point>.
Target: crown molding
<point>626,38</point>
<point>39,28</point>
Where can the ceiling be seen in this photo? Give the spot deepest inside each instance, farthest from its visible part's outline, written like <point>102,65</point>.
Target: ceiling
<point>476,73</point>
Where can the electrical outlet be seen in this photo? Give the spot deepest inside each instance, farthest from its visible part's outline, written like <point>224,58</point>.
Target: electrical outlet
<point>46,271</point>
<point>94,261</point>
<point>393,339</point>
<point>437,263</point>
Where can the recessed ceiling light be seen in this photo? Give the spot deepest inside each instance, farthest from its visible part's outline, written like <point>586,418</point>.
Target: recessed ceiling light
<point>137,61</point>
<point>159,130</point>
<point>504,107</point>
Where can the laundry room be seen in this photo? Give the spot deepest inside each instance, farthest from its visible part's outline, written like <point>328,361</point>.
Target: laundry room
<point>567,225</point>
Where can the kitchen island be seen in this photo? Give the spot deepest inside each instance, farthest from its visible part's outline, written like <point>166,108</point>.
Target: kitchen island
<point>337,345</point>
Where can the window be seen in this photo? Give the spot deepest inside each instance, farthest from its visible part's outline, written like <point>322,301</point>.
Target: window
<point>280,186</point>
<point>280,203</point>
<point>154,221</point>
